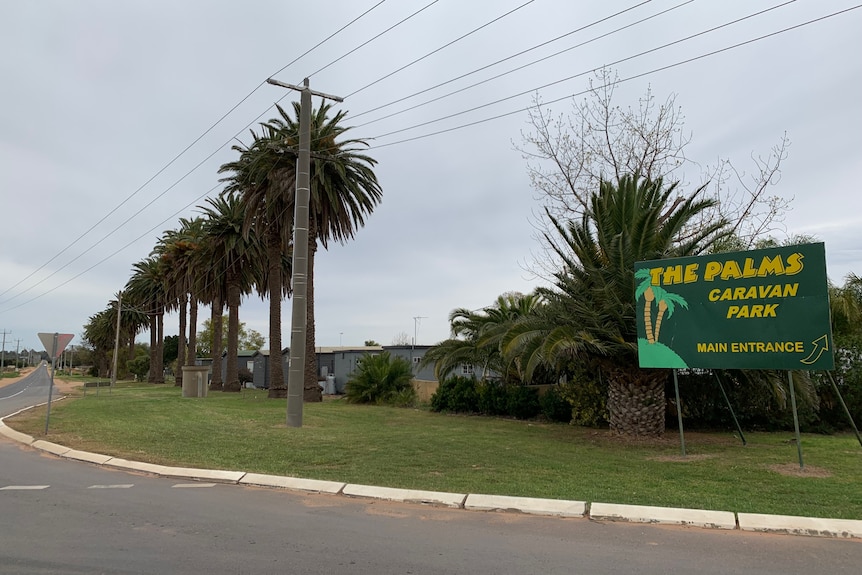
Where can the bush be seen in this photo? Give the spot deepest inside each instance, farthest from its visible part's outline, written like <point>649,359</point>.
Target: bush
<point>245,375</point>
<point>382,379</point>
<point>492,398</point>
<point>555,407</point>
<point>457,394</point>
<point>588,398</point>
<point>522,402</point>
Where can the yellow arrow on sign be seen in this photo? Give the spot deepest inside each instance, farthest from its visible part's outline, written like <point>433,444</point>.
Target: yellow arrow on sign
<point>821,344</point>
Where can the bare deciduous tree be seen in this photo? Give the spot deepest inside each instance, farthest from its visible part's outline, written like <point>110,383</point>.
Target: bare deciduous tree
<point>569,155</point>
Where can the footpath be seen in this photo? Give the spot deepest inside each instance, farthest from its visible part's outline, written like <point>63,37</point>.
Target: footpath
<point>591,511</point>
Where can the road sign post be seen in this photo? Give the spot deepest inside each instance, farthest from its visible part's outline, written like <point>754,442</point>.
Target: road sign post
<point>54,344</point>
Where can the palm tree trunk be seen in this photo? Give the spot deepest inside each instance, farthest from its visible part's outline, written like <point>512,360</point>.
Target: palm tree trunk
<point>233,299</point>
<point>216,383</point>
<point>277,385</point>
<point>192,347</point>
<point>154,348</point>
<point>181,343</point>
<point>636,401</point>
<point>311,391</point>
<point>131,354</point>
<point>160,342</point>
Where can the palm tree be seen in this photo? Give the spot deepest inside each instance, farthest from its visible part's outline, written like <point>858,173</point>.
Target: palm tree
<point>232,255</point>
<point>343,190</point>
<point>590,314</point>
<point>477,337</point>
<point>178,251</point>
<point>147,290</point>
<point>99,335</point>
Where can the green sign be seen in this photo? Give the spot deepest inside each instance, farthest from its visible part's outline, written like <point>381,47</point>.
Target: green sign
<point>759,309</point>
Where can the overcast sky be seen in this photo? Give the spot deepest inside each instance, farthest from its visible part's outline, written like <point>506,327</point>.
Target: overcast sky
<point>99,96</point>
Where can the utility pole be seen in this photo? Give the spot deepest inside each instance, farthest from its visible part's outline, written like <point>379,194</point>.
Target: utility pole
<point>416,321</point>
<point>296,370</point>
<point>3,361</point>
<point>17,347</point>
<point>116,339</point>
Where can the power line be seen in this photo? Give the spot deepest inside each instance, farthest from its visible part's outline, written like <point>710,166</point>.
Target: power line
<point>177,157</point>
<point>443,47</point>
<point>521,53</point>
<point>636,76</point>
<point>513,70</point>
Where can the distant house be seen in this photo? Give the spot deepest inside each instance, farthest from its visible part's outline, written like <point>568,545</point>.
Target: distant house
<point>413,354</point>
<point>262,367</point>
<point>341,362</point>
<point>244,359</point>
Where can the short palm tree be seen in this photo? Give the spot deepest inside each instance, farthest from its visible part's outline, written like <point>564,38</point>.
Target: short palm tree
<point>590,314</point>
<point>477,336</point>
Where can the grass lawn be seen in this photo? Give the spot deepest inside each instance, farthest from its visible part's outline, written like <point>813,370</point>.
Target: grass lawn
<point>414,448</point>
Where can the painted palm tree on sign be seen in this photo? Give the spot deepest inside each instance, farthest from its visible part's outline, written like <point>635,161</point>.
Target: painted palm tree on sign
<point>666,303</point>
<point>343,191</point>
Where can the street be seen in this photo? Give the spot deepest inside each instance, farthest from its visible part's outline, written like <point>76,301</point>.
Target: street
<point>61,516</point>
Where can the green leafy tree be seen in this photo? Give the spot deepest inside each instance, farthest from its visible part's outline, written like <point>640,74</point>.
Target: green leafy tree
<point>381,379</point>
<point>590,316</point>
<point>246,338</point>
<point>139,366</point>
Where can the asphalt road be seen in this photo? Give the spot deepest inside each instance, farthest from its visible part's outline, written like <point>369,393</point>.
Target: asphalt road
<point>62,516</point>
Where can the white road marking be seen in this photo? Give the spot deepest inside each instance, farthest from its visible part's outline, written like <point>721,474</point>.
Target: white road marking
<point>180,485</point>
<point>23,487</point>
<point>117,486</point>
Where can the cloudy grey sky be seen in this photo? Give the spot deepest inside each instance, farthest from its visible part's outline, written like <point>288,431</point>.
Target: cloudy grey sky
<point>97,97</point>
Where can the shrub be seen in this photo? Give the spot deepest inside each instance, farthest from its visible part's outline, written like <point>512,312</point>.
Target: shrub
<point>492,398</point>
<point>588,397</point>
<point>245,375</point>
<point>381,379</point>
<point>522,402</point>
<point>457,394</point>
<point>555,407</point>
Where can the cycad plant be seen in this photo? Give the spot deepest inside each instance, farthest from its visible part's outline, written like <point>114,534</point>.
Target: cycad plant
<point>590,314</point>
<point>381,379</point>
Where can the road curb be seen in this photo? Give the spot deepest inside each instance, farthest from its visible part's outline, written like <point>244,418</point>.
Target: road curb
<point>812,526</point>
<point>663,515</point>
<point>293,483</point>
<point>529,505</point>
<point>455,500</point>
<point>7,431</point>
<point>52,448</point>
<point>202,474</point>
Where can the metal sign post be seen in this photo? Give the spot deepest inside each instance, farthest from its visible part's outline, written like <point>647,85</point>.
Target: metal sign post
<point>54,344</point>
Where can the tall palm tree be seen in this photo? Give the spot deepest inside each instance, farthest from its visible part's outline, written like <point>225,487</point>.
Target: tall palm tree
<point>343,190</point>
<point>590,314</point>
<point>99,335</point>
<point>147,291</point>
<point>233,255</point>
<point>178,251</point>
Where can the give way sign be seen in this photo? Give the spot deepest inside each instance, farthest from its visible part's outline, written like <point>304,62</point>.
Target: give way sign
<point>53,346</point>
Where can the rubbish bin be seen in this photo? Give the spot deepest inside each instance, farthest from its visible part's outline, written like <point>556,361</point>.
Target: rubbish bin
<point>329,388</point>
<point>195,380</point>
